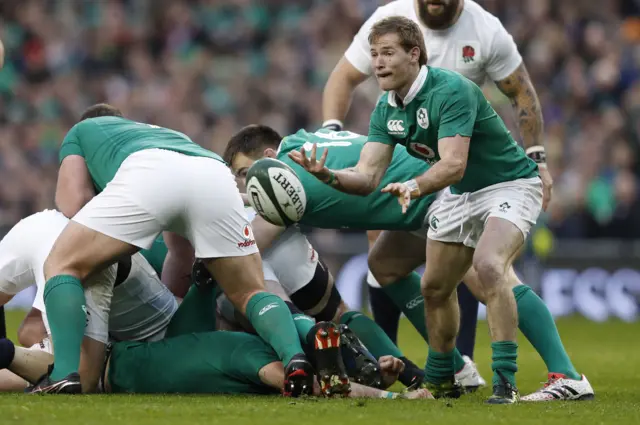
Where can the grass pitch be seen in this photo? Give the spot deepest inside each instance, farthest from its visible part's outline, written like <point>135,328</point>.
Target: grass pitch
<point>609,354</point>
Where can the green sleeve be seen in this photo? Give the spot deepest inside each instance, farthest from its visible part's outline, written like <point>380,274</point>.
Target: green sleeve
<point>458,113</point>
<point>70,145</point>
<point>377,129</point>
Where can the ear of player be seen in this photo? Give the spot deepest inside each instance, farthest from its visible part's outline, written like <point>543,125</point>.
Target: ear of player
<point>275,192</point>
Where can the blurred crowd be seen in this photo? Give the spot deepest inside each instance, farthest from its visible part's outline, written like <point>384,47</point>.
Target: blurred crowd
<point>208,67</point>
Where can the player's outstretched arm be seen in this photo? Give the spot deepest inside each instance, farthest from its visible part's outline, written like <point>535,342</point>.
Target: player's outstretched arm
<point>519,89</point>
<point>74,187</point>
<point>359,180</point>
<point>336,97</point>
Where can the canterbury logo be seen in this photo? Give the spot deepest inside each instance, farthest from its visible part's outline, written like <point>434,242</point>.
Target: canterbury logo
<point>395,126</point>
<point>267,308</point>
<point>415,302</point>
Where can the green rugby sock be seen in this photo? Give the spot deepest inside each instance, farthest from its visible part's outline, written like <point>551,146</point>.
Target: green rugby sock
<point>197,312</point>
<point>505,354</point>
<point>371,335</point>
<point>272,320</point>
<point>537,325</point>
<point>65,305</point>
<point>439,369</point>
<point>407,295</point>
<point>304,324</point>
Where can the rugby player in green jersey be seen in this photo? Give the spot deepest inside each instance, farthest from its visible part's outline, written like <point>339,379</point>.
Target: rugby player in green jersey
<point>329,208</point>
<point>123,183</point>
<point>494,192</point>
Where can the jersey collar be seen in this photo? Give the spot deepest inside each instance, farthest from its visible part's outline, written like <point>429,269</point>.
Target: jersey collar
<point>413,91</point>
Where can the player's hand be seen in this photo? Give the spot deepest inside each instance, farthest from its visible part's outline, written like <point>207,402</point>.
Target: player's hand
<point>547,186</point>
<point>390,368</point>
<point>312,164</point>
<point>400,191</point>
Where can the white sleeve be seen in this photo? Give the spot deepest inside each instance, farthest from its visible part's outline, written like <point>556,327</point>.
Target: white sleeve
<point>358,53</point>
<point>504,57</point>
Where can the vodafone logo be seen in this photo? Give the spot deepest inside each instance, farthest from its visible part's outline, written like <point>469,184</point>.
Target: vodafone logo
<point>247,234</point>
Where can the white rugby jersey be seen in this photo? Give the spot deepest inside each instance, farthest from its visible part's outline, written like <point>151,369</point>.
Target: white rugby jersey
<point>477,45</point>
<point>141,306</point>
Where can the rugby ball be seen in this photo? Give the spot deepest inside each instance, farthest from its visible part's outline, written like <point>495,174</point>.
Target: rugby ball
<point>275,192</point>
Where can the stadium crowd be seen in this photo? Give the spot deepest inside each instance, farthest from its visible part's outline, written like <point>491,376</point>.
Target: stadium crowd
<point>208,67</point>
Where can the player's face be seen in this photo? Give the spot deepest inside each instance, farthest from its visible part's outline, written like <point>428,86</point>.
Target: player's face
<point>239,166</point>
<point>391,63</point>
<point>437,14</point>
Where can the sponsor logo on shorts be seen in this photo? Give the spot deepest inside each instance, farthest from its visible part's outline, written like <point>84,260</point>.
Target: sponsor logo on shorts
<point>281,179</point>
<point>267,308</point>
<point>504,207</point>
<point>433,223</point>
<point>415,302</point>
<point>247,234</point>
<point>395,126</point>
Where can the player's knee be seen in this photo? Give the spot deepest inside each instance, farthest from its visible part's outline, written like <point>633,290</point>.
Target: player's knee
<point>490,269</point>
<point>55,266</point>
<point>383,271</point>
<point>433,291</point>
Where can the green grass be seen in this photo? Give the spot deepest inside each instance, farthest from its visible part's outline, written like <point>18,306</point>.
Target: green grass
<point>606,353</point>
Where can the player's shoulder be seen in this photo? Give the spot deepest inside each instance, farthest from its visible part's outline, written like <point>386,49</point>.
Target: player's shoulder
<point>382,106</point>
<point>477,19</point>
<point>291,142</point>
<point>444,83</point>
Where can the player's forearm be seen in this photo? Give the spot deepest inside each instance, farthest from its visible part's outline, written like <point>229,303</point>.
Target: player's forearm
<point>530,122</point>
<point>441,175</point>
<point>353,182</point>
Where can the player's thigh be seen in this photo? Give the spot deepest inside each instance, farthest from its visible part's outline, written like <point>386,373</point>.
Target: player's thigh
<point>215,219</point>
<point>505,213</point>
<point>446,264</point>
<point>97,251</point>
<point>292,259</point>
<point>395,254</point>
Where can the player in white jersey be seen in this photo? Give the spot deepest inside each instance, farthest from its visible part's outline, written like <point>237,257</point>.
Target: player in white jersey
<point>141,309</point>
<point>461,36</point>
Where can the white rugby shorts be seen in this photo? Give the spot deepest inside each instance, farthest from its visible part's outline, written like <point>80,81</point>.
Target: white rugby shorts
<point>461,218</point>
<point>156,190</point>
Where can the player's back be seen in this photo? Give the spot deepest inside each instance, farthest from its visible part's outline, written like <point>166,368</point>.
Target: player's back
<point>330,208</point>
<point>26,246</point>
<point>106,142</point>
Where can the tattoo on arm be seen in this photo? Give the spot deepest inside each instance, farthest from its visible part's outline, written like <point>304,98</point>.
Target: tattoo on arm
<point>519,89</point>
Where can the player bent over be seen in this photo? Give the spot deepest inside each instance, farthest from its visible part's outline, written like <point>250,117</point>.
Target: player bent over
<point>150,179</point>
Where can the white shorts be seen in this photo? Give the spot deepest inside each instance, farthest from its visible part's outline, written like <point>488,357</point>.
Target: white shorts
<point>291,260</point>
<point>461,218</point>
<point>156,190</point>
<point>97,294</point>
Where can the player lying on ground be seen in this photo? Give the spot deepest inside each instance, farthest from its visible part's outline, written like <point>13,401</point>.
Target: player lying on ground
<point>223,362</point>
<point>143,309</point>
<point>329,208</point>
<point>148,180</point>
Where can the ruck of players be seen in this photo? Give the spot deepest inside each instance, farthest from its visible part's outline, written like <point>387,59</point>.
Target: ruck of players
<point>159,249</point>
